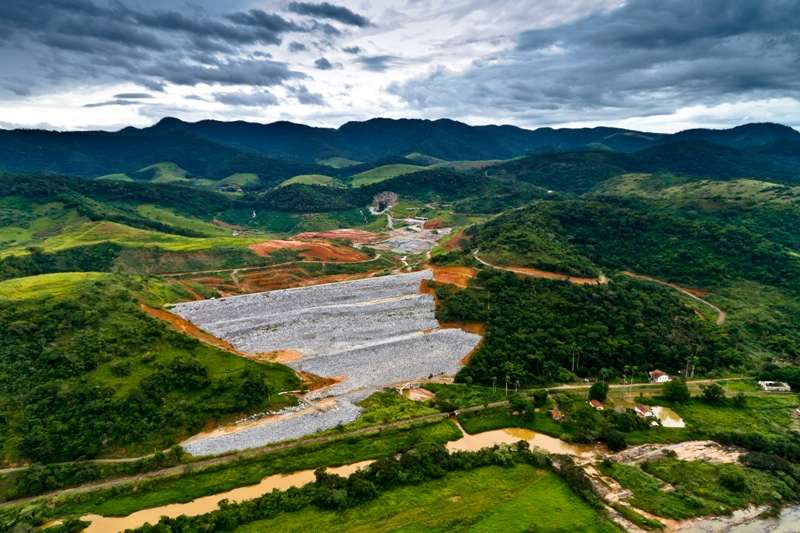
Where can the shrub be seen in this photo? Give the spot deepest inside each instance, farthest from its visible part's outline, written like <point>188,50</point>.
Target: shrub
<point>712,393</point>
<point>676,391</point>
<point>598,391</point>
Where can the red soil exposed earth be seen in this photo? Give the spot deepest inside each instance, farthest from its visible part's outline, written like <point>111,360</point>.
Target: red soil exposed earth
<point>433,223</point>
<point>454,275</point>
<point>310,251</point>
<point>357,236</point>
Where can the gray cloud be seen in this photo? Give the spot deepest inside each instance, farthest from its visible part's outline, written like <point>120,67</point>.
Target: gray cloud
<point>329,11</point>
<point>132,96</point>
<point>377,63</point>
<point>304,96</point>
<point>355,50</point>
<point>295,46</point>
<point>113,102</point>
<point>644,58</point>
<point>323,64</point>
<point>243,99</point>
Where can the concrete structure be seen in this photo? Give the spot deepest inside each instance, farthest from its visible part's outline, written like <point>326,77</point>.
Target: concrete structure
<point>774,386</point>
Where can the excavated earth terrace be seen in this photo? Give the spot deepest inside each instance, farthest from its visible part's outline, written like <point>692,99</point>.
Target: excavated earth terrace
<point>368,333</point>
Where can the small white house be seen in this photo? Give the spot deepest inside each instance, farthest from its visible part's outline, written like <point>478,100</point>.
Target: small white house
<point>774,386</point>
<point>657,376</point>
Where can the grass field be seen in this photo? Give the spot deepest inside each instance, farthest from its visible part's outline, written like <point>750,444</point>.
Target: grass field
<point>310,179</point>
<point>490,499</point>
<point>240,179</point>
<point>48,284</point>
<point>687,489</point>
<point>338,162</point>
<point>385,172</point>
<point>165,172</point>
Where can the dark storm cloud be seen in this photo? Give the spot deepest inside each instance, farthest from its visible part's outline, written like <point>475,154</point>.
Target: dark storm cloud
<point>242,99</point>
<point>643,58</point>
<point>329,11</point>
<point>75,42</point>
<point>323,64</point>
<point>377,63</point>
<point>304,96</point>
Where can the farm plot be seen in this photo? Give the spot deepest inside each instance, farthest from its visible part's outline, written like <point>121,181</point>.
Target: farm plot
<point>367,333</point>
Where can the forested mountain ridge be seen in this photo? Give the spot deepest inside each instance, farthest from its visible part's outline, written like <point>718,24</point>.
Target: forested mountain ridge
<point>277,151</point>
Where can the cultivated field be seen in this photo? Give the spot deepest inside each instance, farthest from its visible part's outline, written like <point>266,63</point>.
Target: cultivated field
<point>367,334</point>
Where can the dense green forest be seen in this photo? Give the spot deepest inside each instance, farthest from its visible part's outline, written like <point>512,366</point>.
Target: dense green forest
<point>86,373</point>
<point>540,331</point>
<point>629,234</point>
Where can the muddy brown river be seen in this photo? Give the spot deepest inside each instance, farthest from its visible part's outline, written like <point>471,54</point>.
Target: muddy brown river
<point>206,504</point>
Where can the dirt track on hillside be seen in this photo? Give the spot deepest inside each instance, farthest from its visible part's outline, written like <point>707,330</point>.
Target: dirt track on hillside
<point>544,274</point>
<point>691,293</point>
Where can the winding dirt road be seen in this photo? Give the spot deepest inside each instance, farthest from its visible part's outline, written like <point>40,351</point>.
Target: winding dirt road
<point>544,274</point>
<point>721,315</point>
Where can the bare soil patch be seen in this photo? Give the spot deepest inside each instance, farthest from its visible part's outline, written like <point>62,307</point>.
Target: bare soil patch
<point>310,250</point>
<point>454,275</point>
<point>353,235</point>
<point>455,242</point>
<point>419,394</point>
<point>433,223</point>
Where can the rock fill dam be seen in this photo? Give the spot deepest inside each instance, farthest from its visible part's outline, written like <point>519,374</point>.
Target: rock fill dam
<point>368,333</point>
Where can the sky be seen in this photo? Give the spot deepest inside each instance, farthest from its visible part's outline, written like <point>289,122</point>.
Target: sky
<point>656,65</point>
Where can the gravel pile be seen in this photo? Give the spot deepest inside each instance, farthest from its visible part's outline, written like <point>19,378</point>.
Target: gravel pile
<point>292,426</point>
<point>372,332</point>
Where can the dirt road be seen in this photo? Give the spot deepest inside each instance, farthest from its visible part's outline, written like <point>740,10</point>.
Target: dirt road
<point>721,315</point>
<point>543,274</point>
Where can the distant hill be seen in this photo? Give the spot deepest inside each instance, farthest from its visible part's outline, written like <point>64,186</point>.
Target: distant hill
<point>277,151</point>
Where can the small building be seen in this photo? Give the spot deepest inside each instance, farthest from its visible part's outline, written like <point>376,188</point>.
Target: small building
<point>644,411</point>
<point>657,376</point>
<point>598,406</point>
<point>557,415</point>
<point>774,386</point>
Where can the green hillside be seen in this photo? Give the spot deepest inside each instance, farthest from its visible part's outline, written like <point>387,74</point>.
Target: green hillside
<point>310,179</point>
<point>85,372</point>
<point>382,173</point>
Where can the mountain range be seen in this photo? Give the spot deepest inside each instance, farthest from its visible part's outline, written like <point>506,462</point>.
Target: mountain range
<point>214,149</point>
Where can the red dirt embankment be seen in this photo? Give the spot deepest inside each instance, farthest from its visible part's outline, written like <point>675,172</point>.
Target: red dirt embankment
<point>455,242</point>
<point>454,275</point>
<point>357,236</point>
<point>287,278</point>
<point>311,250</point>
<point>434,223</point>
<point>184,326</point>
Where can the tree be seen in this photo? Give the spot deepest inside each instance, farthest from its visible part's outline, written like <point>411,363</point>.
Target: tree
<point>517,403</point>
<point>598,391</point>
<point>615,440</point>
<point>712,393</point>
<point>540,398</point>
<point>676,391</point>
<point>740,400</point>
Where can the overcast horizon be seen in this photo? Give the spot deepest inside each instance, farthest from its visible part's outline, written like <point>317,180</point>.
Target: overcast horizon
<point>653,66</point>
